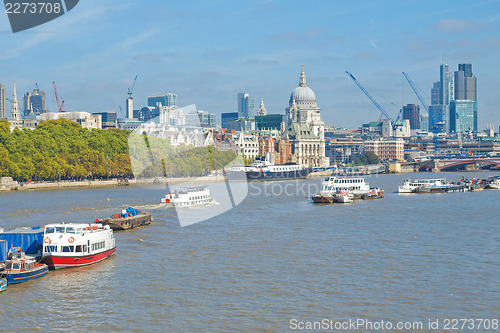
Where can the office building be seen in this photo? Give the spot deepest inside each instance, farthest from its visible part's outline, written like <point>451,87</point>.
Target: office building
<point>463,106</point>
<point>34,102</point>
<point>246,106</point>
<point>2,102</point>
<point>201,118</point>
<point>108,119</point>
<point>412,113</point>
<point>164,100</point>
<point>226,117</point>
<point>269,122</point>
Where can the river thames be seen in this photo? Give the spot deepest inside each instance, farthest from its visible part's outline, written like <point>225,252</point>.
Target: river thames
<point>274,263</point>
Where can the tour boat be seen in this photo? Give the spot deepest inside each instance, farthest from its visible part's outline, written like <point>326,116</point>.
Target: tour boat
<point>19,268</point>
<point>188,196</point>
<point>263,169</point>
<point>411,186</point>
<point>352,185</point>
<point>77,244</point>
<point>3,284</point>
<point>129,218</point>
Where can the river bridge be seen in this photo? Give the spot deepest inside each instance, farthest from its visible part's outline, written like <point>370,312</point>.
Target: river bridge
<point>453,164</point>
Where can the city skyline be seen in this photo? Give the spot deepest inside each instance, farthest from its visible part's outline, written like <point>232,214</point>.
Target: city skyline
<point>208,53</point>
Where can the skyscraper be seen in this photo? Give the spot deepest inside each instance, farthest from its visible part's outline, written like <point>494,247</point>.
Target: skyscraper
<point>34,102</point>
<point>463,107</point>
<point>246,106</point>
<point>412,113</point>
<point>2,101</point>
<point>441,93</point>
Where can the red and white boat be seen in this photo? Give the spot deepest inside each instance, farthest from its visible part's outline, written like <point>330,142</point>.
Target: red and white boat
<point>76,244</point>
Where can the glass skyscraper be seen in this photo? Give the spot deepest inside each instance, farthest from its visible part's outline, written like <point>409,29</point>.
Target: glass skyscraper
<point>463,107</point>
<point>246,106</point>
<point>164,100</point>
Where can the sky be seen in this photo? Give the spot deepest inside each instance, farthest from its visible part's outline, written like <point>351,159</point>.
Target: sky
<point>207,52</point>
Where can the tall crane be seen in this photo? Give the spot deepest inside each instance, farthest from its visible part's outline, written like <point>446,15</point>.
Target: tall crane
<point>59,106</point>
<point>394,124</point>
<point>131,89</point>
<point>435,125</point>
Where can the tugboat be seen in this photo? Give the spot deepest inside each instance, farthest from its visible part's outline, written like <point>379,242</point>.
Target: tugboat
<point>129,218</point>
<point>21,269</point>
<point>189,196</point>
<point>77,244</point>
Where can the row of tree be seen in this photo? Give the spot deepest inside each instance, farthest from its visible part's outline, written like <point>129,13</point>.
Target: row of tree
<point>61,149</point>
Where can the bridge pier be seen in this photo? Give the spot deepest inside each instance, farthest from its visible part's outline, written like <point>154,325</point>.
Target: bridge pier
<point>436,166</point>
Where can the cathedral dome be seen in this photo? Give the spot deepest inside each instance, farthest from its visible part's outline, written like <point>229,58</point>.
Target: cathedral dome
<point>303,93</point>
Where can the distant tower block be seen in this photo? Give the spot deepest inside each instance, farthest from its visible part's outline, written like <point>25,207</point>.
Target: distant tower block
<point>130,107</point>
<point>14,112</point>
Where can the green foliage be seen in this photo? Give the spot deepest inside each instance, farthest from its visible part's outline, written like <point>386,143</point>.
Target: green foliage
<point>61,149</point>
<point>367,158</point>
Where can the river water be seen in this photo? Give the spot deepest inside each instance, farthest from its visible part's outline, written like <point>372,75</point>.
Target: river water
<point>273,261</point>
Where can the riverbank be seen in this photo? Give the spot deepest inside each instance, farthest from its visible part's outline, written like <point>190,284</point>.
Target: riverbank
<point>7,184</point>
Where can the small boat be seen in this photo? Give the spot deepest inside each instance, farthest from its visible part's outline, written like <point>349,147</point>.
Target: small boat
<point>21,269</point>
<point>494,184</point>
<point>189,196</point>
<point>343,197</point>
<point>77,244</point>
<point>129,218</point>
<point>3,284</point>
<point>375,193</point>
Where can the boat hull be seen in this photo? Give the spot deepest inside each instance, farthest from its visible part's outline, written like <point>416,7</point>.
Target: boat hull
<point>127,222</point>
<point>36,273</point>
<point>322,199</point>
<point>3,284</point>
<point>57,261</point>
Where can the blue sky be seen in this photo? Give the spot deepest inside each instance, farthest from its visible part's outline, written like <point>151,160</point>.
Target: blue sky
<point>208,51</point>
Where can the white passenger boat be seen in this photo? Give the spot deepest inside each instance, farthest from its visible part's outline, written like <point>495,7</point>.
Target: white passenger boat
<point>353,185</point>
<point>411,186</point>
<point>189,196</point>
<point>495,184</point>
<point>343,197</point>
<point>76,244</point>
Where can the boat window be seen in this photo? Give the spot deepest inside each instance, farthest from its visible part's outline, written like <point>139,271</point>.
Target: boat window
<point>78,248</point>
<point>53,248</point>
<point>80,230</point>
<point>49,230</point>
<point>8,265</point>
<point>70,230</point>
<point>67,248</point>
<point>60,230</point>
<point>15,265</point>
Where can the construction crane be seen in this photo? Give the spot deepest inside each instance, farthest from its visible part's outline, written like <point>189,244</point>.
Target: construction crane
<point>59,106</point>
<point>131,89</point>
<point>435,125</point>
<point>394,124</point>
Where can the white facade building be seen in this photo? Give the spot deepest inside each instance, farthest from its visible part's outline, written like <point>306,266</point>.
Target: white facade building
<point>85,119</point>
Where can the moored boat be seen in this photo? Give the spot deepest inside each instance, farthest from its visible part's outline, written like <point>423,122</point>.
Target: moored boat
<point>3,284</point>
<point>129,218</point>
<point>77,244</point>
<point>21,269</point>
<point>343,197</point>
<point>263,169</point>
<point>412,186</point>
<point>188,196</point>
<point>494,183</point>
